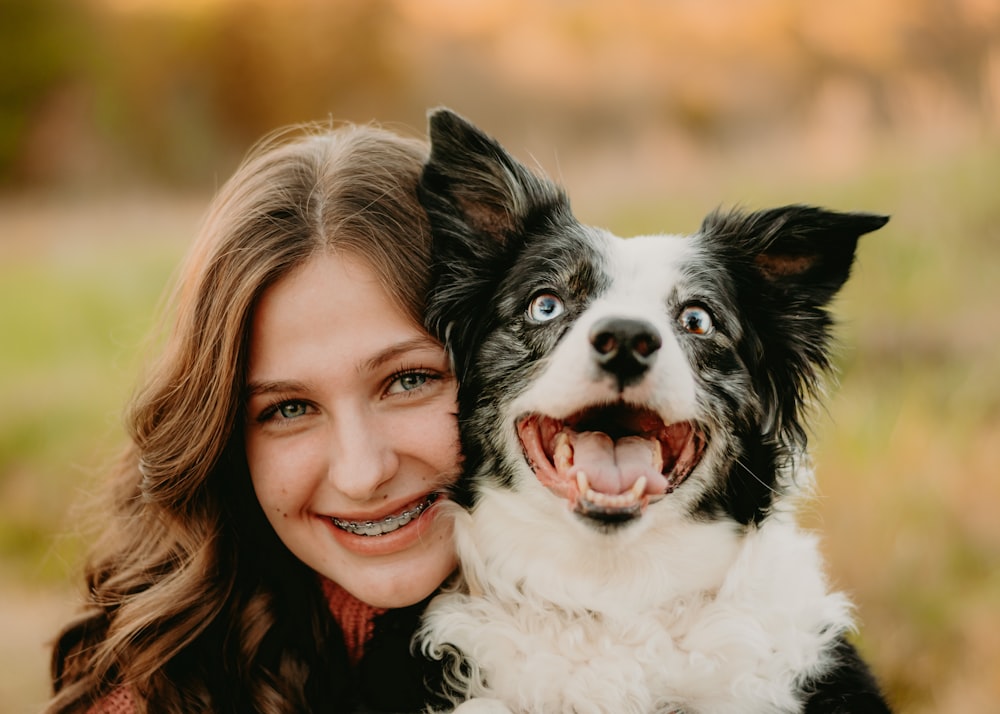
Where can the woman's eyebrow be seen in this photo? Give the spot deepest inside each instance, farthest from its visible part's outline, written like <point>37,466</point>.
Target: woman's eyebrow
<point>255,389</point>
<point>400,348</point>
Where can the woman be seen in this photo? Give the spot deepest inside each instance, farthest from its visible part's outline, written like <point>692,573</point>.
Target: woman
<point>274,531</point>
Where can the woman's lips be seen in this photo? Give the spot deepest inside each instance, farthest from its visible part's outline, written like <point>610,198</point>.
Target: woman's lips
<point>388,524</point>
<point>388,534</point>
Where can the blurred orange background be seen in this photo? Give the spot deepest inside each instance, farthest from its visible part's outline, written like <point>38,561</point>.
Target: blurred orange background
<point>118,118</point>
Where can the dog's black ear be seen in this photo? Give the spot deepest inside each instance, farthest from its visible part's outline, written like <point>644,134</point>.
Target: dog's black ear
<point>483,206</point>
<point>470,179</point>
<point>789,262</point>
<point>800,250</point>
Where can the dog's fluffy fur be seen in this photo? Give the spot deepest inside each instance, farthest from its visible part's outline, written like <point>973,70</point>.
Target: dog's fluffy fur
<point>692,589</point>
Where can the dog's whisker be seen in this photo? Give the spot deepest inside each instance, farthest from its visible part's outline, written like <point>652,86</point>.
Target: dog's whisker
<point>757,478</point>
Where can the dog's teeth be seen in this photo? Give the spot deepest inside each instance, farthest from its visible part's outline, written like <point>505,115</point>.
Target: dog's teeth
<point>609,500</point>
<point>619,500</point>
<point>562,457</point>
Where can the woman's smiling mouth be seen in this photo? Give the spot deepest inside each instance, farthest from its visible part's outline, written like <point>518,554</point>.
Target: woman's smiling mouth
<point>385,525</point>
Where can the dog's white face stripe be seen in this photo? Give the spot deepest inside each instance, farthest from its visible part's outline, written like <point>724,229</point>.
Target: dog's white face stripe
<point>571,379</point>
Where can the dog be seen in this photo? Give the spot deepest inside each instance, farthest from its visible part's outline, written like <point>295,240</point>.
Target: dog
<point>632,415</point>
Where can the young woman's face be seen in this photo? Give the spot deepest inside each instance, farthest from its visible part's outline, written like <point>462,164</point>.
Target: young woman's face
<point>351,432</point>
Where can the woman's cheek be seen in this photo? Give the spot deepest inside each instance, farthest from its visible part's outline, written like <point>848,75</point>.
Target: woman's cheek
<point>281,475</point>
<point>446,442</point>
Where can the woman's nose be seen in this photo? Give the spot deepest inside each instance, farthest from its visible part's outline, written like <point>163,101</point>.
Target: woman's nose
<point>361,457</point>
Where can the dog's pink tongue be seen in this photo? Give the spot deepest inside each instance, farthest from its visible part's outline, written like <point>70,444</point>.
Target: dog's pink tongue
<point>612,467</point>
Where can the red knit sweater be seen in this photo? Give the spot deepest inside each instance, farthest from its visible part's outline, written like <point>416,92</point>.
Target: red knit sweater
<point>356,620</point>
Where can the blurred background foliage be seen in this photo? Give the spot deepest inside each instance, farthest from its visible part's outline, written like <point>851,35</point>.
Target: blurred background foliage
<point>119,117</point>
<point>171,91</point>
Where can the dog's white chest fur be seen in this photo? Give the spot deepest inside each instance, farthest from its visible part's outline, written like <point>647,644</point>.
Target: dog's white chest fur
<point>690,617</point>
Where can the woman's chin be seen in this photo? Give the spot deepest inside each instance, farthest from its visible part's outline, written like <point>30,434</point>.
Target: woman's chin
<point>404,577</point>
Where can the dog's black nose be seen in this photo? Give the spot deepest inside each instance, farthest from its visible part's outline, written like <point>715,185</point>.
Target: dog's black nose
<point>625,348</point>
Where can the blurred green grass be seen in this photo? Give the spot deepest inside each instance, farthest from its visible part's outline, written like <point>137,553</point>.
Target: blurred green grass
<point>80,282</point>
<point>906,448</point>
<point>72,322</point>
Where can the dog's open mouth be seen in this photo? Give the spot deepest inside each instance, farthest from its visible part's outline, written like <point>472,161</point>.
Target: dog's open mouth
<point>610,461</point>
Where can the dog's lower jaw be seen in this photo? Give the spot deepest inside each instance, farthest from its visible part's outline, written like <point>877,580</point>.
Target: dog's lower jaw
<point>709,619</point>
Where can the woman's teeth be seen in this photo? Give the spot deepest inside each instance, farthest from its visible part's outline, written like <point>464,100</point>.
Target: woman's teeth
<point>384,525</point>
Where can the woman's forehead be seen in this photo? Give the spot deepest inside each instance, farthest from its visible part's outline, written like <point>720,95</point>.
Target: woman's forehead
<point>332,310</point>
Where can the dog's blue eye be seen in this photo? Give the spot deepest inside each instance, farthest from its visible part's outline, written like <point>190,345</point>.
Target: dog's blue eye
<point>696,320</point>
<point>545,307</point>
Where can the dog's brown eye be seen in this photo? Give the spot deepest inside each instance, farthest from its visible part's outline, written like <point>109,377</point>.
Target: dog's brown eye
<point>545,307</point>
<point>696,320</point>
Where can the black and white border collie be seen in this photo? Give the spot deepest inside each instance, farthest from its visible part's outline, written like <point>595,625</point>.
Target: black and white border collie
<point>631,413</point>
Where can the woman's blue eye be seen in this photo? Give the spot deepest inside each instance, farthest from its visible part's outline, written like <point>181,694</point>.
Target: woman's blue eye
<point>696,320</point>
<point>411,381</point>
<point>291,410</point>
<point>408,382</point>
<point>545,307</point>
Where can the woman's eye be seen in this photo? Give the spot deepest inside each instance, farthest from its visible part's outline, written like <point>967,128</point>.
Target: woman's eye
<point>545,307</point>
<point>696,320</point>
<point>408,382</point>
<point>291,410</point>
<point>279,412</point>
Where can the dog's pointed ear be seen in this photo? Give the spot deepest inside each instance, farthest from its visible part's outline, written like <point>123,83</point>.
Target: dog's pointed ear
<point>794,260</point>
<point>483,206</point>
<point>800,248</point>
<point>472,179</point>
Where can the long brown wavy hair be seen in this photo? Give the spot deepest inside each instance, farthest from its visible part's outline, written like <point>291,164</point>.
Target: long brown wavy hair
<point>192,602</point>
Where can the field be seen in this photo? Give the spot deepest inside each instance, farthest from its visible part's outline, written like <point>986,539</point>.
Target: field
<point>907,451</point>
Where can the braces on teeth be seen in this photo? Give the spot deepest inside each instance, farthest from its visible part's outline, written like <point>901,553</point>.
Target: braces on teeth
<point>386,525</point>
